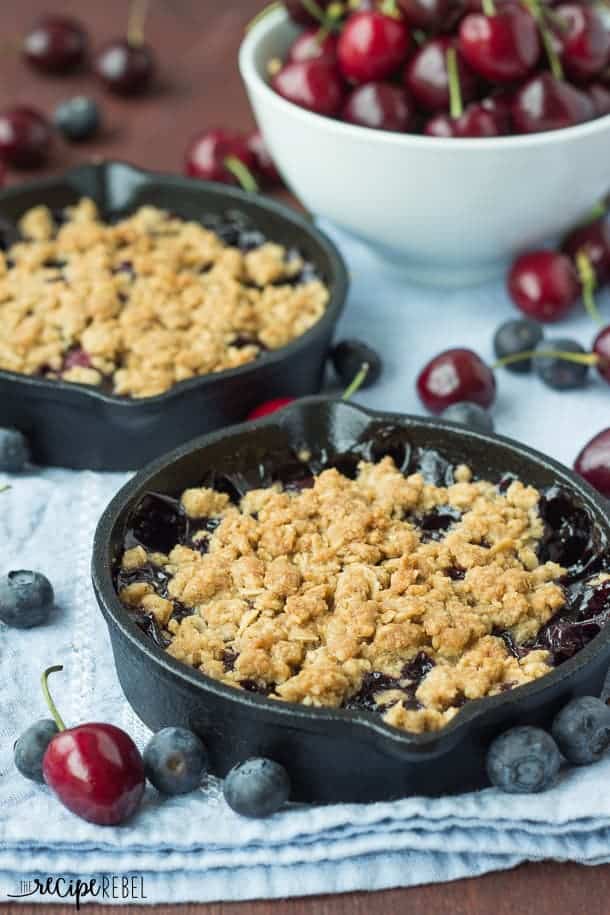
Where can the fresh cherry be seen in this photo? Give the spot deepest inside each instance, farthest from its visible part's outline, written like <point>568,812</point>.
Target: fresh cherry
<point>95,769</point>
<point>601,348</point>
<point>583,40</point>
<point>503,47</point>
<point>476,121</point>
<point>544,285</point>
<point>314,44</point>
<point>125,68</point>
<point>312,84</point>
<point>600,98</point>
<point>270,406</point>
<point>427,79</point>
<point>432,15</point>
<point>594,240</point>
<point>382,106</point>
<point>264,165</point>
<point>593,463</point>
<point>548,103</point>
<point>372,46</point>
<point>453,376</point>
<point>223,156</point>
<point>25,137</point>
<point>55,44</point>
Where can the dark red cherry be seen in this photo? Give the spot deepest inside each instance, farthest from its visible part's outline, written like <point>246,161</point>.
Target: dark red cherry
<point>501,48</point>
<point>300,14</point>
<point>314,44</point>
<point>432,15</point>
<point>582,38</point>
<point>600,98</point>
<point>25,137</point>
<point>382,106</point>
<point>125,68</point>
<point>544,285</point>
<point>593,463</point>
<point>593,240</point>
<point>372,46</point>
<point>55,44</point>
<point>264,165</point>
<point>475,121</point>
<point>601,348</point>
<point>426,75</point>
<point>215,155</point>
<point>454,376</point>
<point>548,103</point>
<point>312,84</point>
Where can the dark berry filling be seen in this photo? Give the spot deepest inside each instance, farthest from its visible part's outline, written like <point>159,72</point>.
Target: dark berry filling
<point>375,683</point>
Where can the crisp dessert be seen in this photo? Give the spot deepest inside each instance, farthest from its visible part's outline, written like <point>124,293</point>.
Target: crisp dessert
<point>383,579</point>
<point>137,305</point>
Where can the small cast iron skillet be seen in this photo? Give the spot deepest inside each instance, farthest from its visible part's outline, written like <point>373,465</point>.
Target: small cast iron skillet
<point>75,426</point>
<point>333,755</point>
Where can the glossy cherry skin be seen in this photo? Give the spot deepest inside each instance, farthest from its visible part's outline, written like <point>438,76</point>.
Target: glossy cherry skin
<point>476,121</point>
<point>601,348</point>
<point>594,240</point>
<point>546,103</point>
<point>270,406</point>
<point>96,771</point>
<point>426,75</point>
<point>453,376</point>
<point>302,16</point>
<point>501,48</point>
<point>124,68</point>
<point>312,84</point>
<point>314,44</point>
<point>25,137</point>
<point>372,46</point>
<point>543,285</point>
<point>208,152</point>
<point>583,41</point>
<point>382,106</point>
<point>432,15</point>
<point>593,463</point>
<point>55,44</point>
<point>264,165</point>
<point>600,98</point>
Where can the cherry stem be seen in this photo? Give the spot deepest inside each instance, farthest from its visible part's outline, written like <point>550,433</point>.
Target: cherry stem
<point>47,695</point>
<point>243,174</point>
<point>537,12</point>
<point>138,12</point>
<point>390,8</point>
<point>357,382</point>
<point>578,358</point>
<point>588,281</point>
<point>4,488</point>
<point>489,7</point>
<point>456,107</point>
<point>597,212</point>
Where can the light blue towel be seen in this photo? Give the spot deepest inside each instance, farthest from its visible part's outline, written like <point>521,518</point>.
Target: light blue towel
<point>195,848</point>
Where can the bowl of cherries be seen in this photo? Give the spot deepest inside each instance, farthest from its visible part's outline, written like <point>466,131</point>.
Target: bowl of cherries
<point>449,134</point>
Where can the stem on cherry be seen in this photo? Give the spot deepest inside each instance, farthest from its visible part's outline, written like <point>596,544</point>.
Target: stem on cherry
<point>536,10</point>
<point>243,174</point>
<point>47,695</point>
<point>588,281</point>
<point>138,12</point>
<point>456,106</point>
<point>596,212</point>
<point>4,488</point>
<point>389,8</point>
<point>489,7</point>
<point>357,382</point>
<point>578,358</point>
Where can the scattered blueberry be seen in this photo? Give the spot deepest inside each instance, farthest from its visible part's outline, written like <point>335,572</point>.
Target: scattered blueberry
<point>175,761</point>
<point>78,118</point>
<point>470,415</point>
<point>31,746</point>
<point>348,358</point>
<point>559,373</point>
<point>517,337</point>
<point>582,730</point>
<point>14,450</point>
<point>257,788</point>
<point>524,760</point>
<point>26,599</point>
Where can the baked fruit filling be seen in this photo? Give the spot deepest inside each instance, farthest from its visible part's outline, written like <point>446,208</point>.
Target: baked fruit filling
<point>137,305</point>
<point>383,579</point>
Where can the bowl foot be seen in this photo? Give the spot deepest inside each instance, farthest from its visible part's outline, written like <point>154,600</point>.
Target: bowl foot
<point>447,275</point>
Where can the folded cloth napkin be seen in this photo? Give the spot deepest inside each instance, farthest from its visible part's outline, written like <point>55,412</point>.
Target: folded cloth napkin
<point>194,847</point>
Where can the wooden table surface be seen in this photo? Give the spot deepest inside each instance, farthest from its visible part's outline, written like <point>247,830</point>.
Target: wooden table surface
<point>196,42</point>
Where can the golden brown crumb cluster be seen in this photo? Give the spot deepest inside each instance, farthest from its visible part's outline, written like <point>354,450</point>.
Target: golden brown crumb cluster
<point>303,594</point>
<point>144,303</point>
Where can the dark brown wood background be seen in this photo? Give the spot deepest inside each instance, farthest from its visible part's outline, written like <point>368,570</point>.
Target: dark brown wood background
<point>196,42</point>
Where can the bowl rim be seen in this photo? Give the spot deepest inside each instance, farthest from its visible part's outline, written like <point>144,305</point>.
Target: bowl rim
<point>49,388</point>
<point>277,19</point>
<point>407,744</point>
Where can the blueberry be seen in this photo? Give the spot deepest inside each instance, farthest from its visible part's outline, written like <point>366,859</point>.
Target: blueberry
<point>515,337</point>
<point>524,760</point>
<point>26,599</point>
<point>14,450</point>
<point>32,745</point>
<point>78,118</point>
<point>560,373</point>
<point>582,730</point>
<point>470,415</point>
<point>257,788</point>
<point>349,356</point>
<point>175,761</point>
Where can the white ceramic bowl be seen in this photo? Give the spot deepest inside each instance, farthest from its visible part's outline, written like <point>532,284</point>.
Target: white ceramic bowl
<point>452,212</point>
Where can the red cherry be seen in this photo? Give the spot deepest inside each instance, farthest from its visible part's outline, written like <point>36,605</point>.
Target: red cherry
<point>301,15</point>
<point>501,48</point>
<point>454,376</point>
<point>125,68</point>
<point>426,75</point>
<point>593,463</point>
<point>432,15</point>
<point>382,106</point>
<point>372,46</point>
<point>601,348</point>
<point>55,44</point>
<point>478,120</point>
<point>311,84</point>
<point>264,165</point>
<point>593,240</point>
<point>544,285</point>
<point>583,41</point>
<point>270,406</point>
<point>547,103</point>
<point>211,156</point>
<point>314,44</point>
<point>600,99</point>
<point>25,137</point>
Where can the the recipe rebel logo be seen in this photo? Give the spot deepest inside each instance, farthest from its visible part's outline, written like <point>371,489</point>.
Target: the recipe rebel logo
<point>106,887</point>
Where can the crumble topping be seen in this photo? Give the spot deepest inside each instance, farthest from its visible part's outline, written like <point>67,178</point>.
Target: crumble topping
<point>146,302</point>
<point>384,592</point>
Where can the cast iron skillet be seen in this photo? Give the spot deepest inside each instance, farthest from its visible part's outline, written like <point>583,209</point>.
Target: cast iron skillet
<point>332,755</point>
<point>79,427</point>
